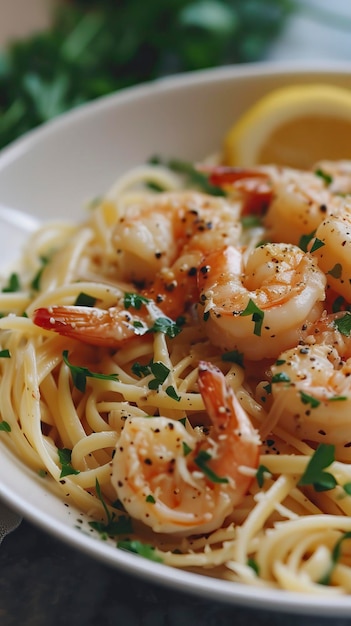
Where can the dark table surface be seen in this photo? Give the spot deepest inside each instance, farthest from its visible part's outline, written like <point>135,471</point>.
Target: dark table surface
<point>44,582</point>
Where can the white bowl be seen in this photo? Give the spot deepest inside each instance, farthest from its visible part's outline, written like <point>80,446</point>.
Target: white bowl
<point>54,170</point>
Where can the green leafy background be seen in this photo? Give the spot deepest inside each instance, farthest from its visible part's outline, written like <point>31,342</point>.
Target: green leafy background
<point>96,47</point>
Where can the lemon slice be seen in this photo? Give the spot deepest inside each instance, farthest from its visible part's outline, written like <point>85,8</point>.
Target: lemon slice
<point>294,126</point>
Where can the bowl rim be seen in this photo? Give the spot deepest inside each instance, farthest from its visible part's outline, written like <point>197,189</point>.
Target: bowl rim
<point>218,590</point>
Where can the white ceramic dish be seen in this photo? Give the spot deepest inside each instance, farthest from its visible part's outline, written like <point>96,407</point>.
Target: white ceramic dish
<point>53,171</point>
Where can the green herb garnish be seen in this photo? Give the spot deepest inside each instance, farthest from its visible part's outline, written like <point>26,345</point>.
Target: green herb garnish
<point>281,377</point>
<point>114,525</point>
<point>336,271</point>
<point>5,426</point>
<point>233,356</point>
<point>201,461</point>
<point>13,284</point>
<point>134,300</point>
<point>165,325</point>
<point>84,299</point>
<point>194,178</point>
<point>143,549</point>
<point>335,556</point>
<point>80,374</point>
<point>160,372</point>
<point>260,474</point>
<point>308,399</point>
<point>328,179</point>
<point>171,392</point>
<point>305,240</point>
<point>5,354</point>
<point>314,473</point>
<point>64,455</point>
<point>343,324</point>
<point>257,316</point>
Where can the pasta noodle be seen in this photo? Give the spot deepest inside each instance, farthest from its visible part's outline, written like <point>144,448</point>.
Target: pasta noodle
<point>177,367</point>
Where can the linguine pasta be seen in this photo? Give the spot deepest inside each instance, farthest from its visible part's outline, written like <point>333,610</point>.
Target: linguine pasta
<point>67,391</point>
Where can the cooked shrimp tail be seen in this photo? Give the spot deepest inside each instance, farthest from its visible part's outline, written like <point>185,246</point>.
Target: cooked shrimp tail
<point>100,327</point>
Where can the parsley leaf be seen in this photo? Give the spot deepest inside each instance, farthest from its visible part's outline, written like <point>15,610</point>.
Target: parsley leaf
<point>165,325</point>
<point>121,525</point>
<point>160,372</point>
<point>65,461</point>
<point>335,556</point>
<point>171,392</point>
<point>305,240</point>
<point>343,324</point>
<point>5,354</point>
<point>80,374</point>
<point>257,316</point>
<point>328,179</point>
<point>13,284</point>
<point>5,426</point>
<point>201,461</point>
<point>260,474</point>
<point>233,356</point>
<point>143,549</point>
<point>280,377</point>
<point>193,175</point>
<point>314,473</point>
<point>336,271</point>
<point>84,299</point>
<point>134,300</point>
<point>307,399</point>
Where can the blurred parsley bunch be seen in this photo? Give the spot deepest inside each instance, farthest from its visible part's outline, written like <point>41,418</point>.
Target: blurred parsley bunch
<point>95,47</point>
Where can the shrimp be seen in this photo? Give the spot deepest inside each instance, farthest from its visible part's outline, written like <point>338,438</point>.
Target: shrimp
<point>133,316</point>
<point>259,306</point>
<point>314,386</point>
<point>153,233</point>
<point>178,480</point>
<point>160,243</point>
<point>333,329</point>
<point>333,237</point>
<point>292,202</point>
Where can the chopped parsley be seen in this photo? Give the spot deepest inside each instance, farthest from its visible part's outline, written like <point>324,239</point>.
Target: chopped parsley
<point>5,354</point>
<point>343,324</point>
<point>167,326</point>
<point>160,372</point>
<point>186,449</point>
<point>318,243</point>
<point>305,240</point>
<point>307,399</point>
<point>314,473</point>
<point>114,525</point>
<point>171,392</point>
<point>201,461</point>
<point>328,179</point>
<point>84,299</point>
<point>35,284</point>
<point>134,300</point>
<point>64,455</point>
<point>193,176</point>
<point>5,426</point>
<point>257,316</point>
<point>336,271</point>
<point>143,549</point>
<point>233,356</point>
<point>280,377</point>
<point>335,557</point>
<point>80,374</point>
<point>12,285</point>
<point>260,474</point>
